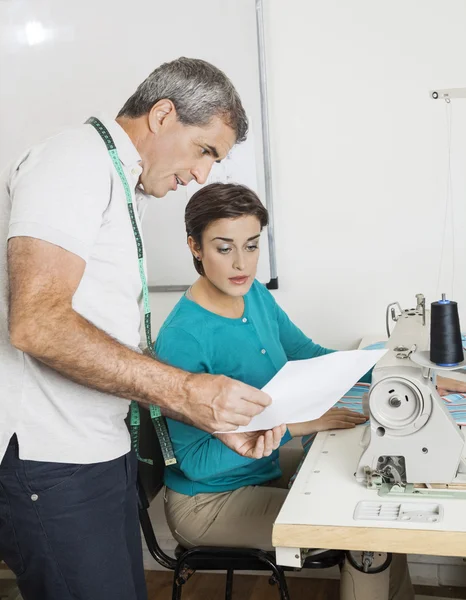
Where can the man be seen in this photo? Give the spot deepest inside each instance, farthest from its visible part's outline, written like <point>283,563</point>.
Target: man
<point>69,336</point>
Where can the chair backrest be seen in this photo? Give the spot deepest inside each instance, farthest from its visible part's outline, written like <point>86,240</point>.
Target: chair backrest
<point>151,477</point>
<point>150,482</point>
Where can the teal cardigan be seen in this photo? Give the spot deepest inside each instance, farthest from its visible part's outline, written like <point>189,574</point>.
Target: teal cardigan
<point>251,349</point>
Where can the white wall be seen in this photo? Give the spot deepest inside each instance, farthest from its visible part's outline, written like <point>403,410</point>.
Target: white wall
<point>59,65</point>
<point>358,147</point>
<point>359,158</point>
<point>360,186</point>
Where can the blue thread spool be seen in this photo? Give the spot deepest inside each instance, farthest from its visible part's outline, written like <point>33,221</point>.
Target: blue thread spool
<point>446,347</point>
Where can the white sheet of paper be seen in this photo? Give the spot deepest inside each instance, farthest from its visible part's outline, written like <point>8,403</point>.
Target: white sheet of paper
<point>304,390</point>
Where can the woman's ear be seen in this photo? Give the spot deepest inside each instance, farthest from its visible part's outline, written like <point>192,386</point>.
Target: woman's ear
<point>195,248</point>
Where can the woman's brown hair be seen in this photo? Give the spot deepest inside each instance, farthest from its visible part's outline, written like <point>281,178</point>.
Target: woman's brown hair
<point>220,201</point>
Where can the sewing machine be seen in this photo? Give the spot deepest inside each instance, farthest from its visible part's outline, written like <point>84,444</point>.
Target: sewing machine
<point>395,485</point>
<point>412,441</point>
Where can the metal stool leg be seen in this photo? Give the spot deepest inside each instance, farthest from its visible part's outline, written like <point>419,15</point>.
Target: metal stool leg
<point>177,588</point>
<point>229,585</point>
<point>280,578</point>
<point>180,577</point>
<point>278,574</point>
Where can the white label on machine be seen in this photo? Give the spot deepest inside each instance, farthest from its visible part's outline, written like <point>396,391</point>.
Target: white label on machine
<point>398,511</point>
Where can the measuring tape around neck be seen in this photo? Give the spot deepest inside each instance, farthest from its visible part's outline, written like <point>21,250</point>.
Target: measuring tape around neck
<point>158,421</point>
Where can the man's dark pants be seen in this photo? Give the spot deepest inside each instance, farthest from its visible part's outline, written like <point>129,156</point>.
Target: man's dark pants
<point>71,531</point>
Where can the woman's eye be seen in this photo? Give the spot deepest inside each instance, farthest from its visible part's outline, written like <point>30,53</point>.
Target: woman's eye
<point>224,250</point>
<point>252,248</point>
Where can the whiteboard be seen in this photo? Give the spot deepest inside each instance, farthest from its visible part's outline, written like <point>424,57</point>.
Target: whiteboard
<point>61,62</point>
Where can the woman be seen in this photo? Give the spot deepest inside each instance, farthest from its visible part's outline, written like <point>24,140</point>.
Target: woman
<point>228,323</point>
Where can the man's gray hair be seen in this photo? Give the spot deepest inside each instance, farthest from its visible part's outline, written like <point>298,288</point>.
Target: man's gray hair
<point>198,90</point>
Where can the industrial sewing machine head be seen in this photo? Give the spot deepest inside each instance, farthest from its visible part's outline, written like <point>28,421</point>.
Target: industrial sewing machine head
<point>411,440</point>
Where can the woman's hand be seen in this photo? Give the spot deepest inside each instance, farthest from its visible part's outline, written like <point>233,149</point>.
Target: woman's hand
<point>335,418</point>
<point>445,386</point>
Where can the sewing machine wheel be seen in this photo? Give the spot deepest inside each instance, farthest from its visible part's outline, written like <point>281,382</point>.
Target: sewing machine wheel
<point>360,561</point>
<point>398,406</point>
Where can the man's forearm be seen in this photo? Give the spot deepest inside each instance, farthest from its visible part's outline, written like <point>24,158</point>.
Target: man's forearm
<point>177,416</point>
<point>77,349</point>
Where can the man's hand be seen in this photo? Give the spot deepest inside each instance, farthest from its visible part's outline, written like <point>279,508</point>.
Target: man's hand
<point>254,444</point>
<point>335,418</point>
<point>445,386</point>
<point>217,403</point>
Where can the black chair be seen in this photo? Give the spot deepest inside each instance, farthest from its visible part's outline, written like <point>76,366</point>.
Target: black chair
<point>188,561</point>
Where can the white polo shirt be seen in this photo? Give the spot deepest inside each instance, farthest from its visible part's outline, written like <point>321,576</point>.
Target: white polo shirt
<point>66,191</point>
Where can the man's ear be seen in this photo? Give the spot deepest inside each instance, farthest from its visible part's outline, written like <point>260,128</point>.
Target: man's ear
<point>162,111</point>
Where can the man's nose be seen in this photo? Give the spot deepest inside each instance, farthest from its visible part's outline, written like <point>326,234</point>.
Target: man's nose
<point>201,172</point>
